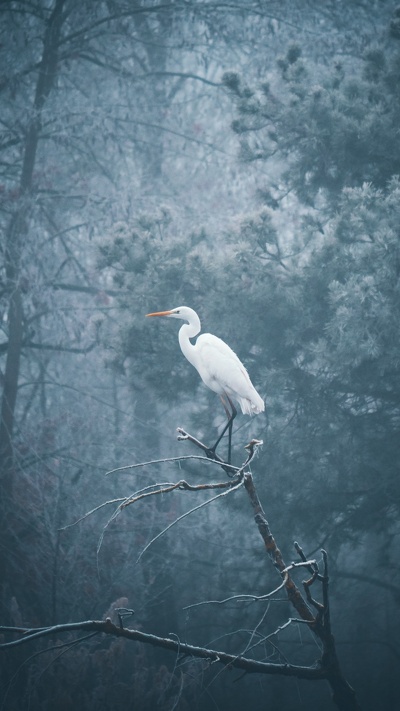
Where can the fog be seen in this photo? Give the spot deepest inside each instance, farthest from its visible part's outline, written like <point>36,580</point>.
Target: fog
<point>241,159</point>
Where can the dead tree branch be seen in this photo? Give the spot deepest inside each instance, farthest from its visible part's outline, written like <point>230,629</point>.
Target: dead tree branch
<point>342,693</point>
<point>312,612</point>
<point>188,650</point>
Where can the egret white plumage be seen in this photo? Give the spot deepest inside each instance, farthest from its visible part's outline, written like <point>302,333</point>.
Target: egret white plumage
<point>218,366</point>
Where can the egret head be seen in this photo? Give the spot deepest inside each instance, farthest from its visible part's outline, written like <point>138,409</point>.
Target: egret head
<point>182,312</point>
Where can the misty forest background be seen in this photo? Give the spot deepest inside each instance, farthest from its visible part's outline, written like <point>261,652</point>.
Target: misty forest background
<point>241,158</point>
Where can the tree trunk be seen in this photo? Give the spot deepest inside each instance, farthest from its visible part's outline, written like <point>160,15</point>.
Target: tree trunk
<point>17,235</point>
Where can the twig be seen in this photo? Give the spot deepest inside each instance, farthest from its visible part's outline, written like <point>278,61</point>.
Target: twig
<point>141,494</point>
<point>166,460</point>
<point>228,468</point>
<point>181,484</point>
<point>254,598</point>
<point>92,511</point>
<point>237,598</point>
<point>313,564</point>
<point>210,454</point>
<point>232,487</point>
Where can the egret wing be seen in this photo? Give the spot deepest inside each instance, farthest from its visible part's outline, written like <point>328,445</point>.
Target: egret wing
<point>222,371</point>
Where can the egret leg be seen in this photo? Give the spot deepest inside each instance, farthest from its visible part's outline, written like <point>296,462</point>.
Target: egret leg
<point>231,414</point>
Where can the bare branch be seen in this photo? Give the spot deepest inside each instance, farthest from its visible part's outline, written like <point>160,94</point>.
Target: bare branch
<point>254,598</point>
<point>273,551</point>
<point>212,656</point>
<point>233,486</point>
<point>252,448</point>
<point>165,461</point>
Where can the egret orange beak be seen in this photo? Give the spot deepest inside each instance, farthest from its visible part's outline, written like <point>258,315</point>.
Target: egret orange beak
<point>160,313</point>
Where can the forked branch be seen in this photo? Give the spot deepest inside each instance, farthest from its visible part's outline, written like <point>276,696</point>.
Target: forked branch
<point>312,612</point>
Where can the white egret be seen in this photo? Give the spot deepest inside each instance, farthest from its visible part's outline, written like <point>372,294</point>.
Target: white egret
<point>218,366</point>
